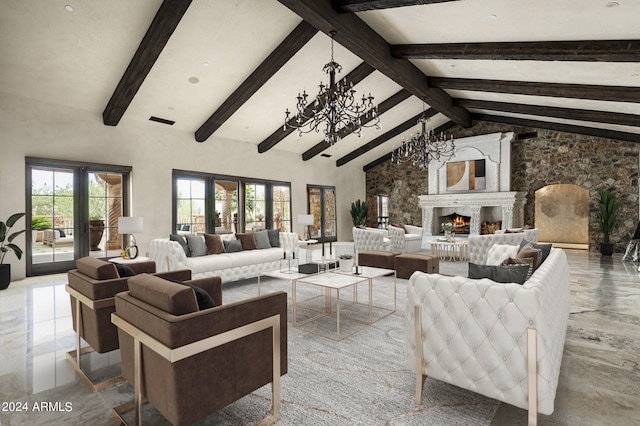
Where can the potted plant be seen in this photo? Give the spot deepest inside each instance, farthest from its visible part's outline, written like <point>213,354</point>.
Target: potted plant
<point>6,245</point>
<point>359,212</point>
<point>96,229</point>
<point>607,214</point>
<point>447,228</point>
<point>346,262</point>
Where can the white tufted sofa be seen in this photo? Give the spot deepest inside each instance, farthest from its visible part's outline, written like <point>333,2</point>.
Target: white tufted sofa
<point>477,334</point>
<point>169,256</point>
<point>408,240</point>
<point>370,239</point>
<point>479,245</point>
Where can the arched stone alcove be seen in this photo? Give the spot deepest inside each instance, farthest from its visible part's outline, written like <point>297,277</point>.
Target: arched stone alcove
<point>562,215</point>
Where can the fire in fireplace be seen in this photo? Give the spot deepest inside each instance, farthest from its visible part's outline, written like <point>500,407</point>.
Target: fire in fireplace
<point>461,224</point>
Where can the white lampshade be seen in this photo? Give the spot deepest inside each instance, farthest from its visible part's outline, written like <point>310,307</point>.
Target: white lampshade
<point>129,225</point>
<point>305,219</point>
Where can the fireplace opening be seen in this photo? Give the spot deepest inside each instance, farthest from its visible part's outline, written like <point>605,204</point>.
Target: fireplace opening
<point>461,224</point>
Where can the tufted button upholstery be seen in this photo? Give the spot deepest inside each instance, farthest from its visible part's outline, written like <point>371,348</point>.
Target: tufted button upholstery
<point>479,245</point>
<point>475,331</point>
<point>370,239</point>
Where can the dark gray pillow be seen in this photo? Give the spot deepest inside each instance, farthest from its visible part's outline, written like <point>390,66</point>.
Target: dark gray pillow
<point>232,246</point>
<point>546,249</point>
<point>262,239</point>
<point>205,301</point>
<point>197,246</point>
<point>500,274</point>
<point>180,240</point>
<point>274,237</point>
<point>124,270</point>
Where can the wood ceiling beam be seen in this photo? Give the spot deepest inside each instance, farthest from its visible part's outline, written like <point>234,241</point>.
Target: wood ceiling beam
<point>358,74</point>
<point>442,128</point>
<point>558,112</point>
<point>276,59</point>
<point>383,107</point>
<point>162,27</point>
<point>352,6</point>
<point>363,41</point>
<point>585,51</point>
<point>558,90</point>
<point>560,127</point>
<point>383,138</point>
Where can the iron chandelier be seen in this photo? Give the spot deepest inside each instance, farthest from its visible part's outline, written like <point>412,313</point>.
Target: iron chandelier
<point>334,109</point>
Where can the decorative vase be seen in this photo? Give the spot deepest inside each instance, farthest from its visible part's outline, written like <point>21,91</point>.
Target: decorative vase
<point>448,235</point>
<point>96,229</point>
<point>5,275</point>
<point>346,265</point>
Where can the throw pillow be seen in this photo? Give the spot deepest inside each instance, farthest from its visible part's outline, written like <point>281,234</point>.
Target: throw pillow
<point>262,239</point>
<point>274,237</point>
<point>61,232</point>
<point>500,274</point>
<point>232,246</point>
<point>247,240</point>
<point>197,247</point>
<point>214,244</point>
<point>180,240</point>
<point>529,251</point>
<point>499,252</point>
<point>524,261</point>
<point>546,249</point>
<point>205,301</point>
<point>124,270</point>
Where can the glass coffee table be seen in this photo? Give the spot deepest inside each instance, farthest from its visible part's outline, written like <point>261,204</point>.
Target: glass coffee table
<point>346,312</point>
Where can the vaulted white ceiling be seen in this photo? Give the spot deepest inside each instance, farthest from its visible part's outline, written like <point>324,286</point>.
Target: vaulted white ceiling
<point>77,58</point>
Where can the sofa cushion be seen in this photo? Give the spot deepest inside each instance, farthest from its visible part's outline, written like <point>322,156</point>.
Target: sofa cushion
<point>500,274</point>
<point>183,243</point>
<point>247,240</point>
<point>274,237</point>
<point>546,248</point>
<point>173,298</point>
<point>96,268</point>
<point>232,246</point>
<point>522,261</point>
<point>262,239</point>
<point>125,270</point>
<point>498,253</point>
<point>528,251</point>
<point>214,244</point>
<point>197,247</point>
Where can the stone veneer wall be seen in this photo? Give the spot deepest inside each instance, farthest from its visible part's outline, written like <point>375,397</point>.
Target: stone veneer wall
<point>549,158</point>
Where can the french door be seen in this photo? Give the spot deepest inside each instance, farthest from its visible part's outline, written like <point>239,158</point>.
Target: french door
<point>73,211</point>
<point>322,205</point>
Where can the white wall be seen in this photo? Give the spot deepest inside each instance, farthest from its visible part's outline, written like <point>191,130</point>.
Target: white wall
<point>33,129</point>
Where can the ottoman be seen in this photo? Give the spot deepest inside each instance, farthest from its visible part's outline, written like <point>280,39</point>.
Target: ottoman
<point>377,258</point>
<point>406,264</point>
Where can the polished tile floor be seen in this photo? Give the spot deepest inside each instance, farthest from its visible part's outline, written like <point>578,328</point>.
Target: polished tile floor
<point>599,379</point>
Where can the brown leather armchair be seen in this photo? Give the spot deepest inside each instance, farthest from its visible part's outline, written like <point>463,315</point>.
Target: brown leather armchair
<point>92,287</point>
<point>189,362</point>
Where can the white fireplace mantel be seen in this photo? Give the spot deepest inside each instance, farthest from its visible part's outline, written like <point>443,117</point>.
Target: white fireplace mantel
<point>471,204</point>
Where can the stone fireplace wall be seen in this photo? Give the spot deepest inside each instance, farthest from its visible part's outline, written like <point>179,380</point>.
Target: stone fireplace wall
<point>538,158</point>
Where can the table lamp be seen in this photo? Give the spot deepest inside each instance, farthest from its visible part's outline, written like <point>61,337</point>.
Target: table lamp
<point>130,226</point>
<point>306,220</point>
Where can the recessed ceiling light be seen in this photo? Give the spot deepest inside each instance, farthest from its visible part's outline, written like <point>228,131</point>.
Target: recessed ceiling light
<point>205,64</point>
<point>194,80</point>
<point>452,66</point>
<point>170,108</point>
<point>613,4</point>
<point>68,8</point>
<point>493,16</point>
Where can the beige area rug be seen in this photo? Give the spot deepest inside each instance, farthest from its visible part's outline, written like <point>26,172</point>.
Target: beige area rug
<point>360,380</point>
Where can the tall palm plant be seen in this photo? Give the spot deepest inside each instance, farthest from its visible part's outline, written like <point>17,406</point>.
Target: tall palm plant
<point>6,239</point>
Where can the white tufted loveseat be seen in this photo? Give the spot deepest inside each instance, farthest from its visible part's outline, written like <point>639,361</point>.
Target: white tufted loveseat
<point>479,245</point>
<point>504,341</point>
<point>169,256</point>
<point>407,240</point>
<point>366,239</point>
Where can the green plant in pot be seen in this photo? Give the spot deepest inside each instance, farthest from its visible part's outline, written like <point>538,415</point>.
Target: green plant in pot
<point>359,212</point>
<point>607,214</point>
<point>39,224</point>
<point>6,245</point>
